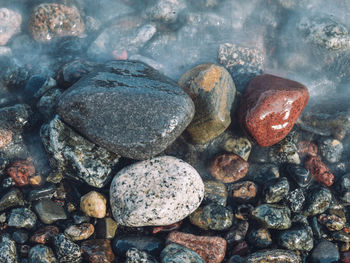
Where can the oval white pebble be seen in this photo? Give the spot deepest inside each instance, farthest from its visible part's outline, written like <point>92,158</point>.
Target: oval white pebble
<point>155,192</point>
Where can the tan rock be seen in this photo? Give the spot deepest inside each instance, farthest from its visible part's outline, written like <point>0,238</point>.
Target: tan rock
<point>93,204</point>
<point>5,138</point>
<point>80,232</point>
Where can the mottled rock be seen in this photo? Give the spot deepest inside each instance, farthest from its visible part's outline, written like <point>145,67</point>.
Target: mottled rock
<point>149,244</point>
<point>51,20</point>
<point>237,232</point>
<point>215,192</point>
<point>41,254</point>
<point>296,238</point>
<point>211,249</point>
<point>243,63</point>
<point>324,252</point>
<point>295,199</point>
<point>93,204</point>
<point>270,106</point>
<point>238,145</point>
<point>73,71</point>
<point>212,91</point>
<point>8,251</point>
<point>165,11</point>
<point>167,228</point>
<point>331,149</point>
<point>20,171</point>
<point>275,190</point>
<point>174,253</point>
<point>273,216</point>
<point>44,235</point>
<point>79,232</point>
<point>274,256</point>
<point>284,152</point>
<point>299,174</point>
<point>105,107</point>
<point>10,24</point>
<point>74,156</point>
<point>159,191</point>
<point>97,251</point>
<point>5,137</point>
<point>66,250</point>
<point>48,103</point>
<point>228,167</point>
<point>134,255</point>
<point>244,191</point>
<point>22,218</point>
<point>12,198</point>
<point>49,211</point>
<point>319,171</point>
<point>106,228</point>
<point>212,216</point>
<point>317,201</point>
<point>334,219</point>
<point>259,238</point>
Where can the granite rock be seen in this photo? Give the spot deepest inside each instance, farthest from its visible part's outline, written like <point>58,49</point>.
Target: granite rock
<point>319,171</point>
<point>215,192</point>
<point>22,218</point>
<point>174,253</point>
<point>66,250</point>
<point>273,216</point>
<point>134,255</point>
<point>41,254</point>
<point>296,238</point>
<point>274,256</point>
<point>8,250</point>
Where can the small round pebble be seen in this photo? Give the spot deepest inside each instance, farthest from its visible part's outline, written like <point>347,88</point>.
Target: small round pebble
<point>93,204</point>
<point>79,232</point>
<point>324,252</point>
<point>331,149</point>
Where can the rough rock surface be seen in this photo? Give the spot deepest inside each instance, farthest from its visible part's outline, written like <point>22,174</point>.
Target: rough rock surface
<point>8,251</point>
<point>174,253</point>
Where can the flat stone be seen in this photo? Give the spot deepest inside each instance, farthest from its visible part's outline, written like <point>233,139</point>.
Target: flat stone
<point>42,254</point>
<point>49,211</point>
<point>274,256</point>
<point>105,107</point>
<point>159,191</point>
<point>324,252</point>
<point>319,171</point>
<point>79,232</point>
<point>66,250</point>
<point>8,250</point>
<point>211,249</point>
<point>93,204</point>
<point>12,198</point>
<point>273,216</point>
<point>215,192</point>
<point>22,218</point>
<point>270,106</point>
<point>213,92</point>
<point>10,24</point>
<point>174,253</point>
<point>97,250</point>
<point>74,156</point>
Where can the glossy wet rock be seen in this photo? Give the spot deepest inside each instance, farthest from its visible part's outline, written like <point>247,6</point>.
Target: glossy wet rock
<point>159,191</point>
<point>44,235</point>
<point>93,204</point>
<point>245,191</point>
<point>42,254</point>
<point>319,171</point>
<point>212,216</point>
<point>104,106</point>
<point>324,252</point>
<point>273,216</point>
<point>74,156</point>
<point>211,249</point>
<point>317,201</point>
<point>334,218</point>
<point>52,20</point>
<point>174,253</point>
<point>228,167</point>
<point>43,192</point>
<point>237,232</point>
<point>8,250</point>
<point>66,250</point>
<point>331,149</point>
<point>296,238</point>
<point>149,244</point>
<point>10,24</point>
<point>97,251</point>
<point>238,145</point>
<point>259,238</point>
<point>12,198</point>
<point>212,90</point>
<point>270,107</point>
<point>299,174</point>
<point>275,190</point>
<point>295,199</point>
<point>134,255</point>
<point>284,152</point>
<point>49,211</point>
<point>274,256</point>
<point>215,192</point>
<point>22,218</point>
<point>79,232</point>
<point>106,228</point>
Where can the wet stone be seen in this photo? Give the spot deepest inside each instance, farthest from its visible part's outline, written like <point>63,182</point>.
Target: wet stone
<point>134,255</point>
<point>299,174</point>
<point>20,236</point>
<point>45,192</point>
<point>42,254</point>
<point>275,190</point>
<point>79,232</point>
<point>174,253</point>
<point>273,216</point>
<point>10,24</point>
<point>20,171</point>
<point>97,250</point>
<point>11,199</point>
<point>341,236</point>
<point>324,252</point>
<point>120,85</point>
<point>48,103</point>
<point>149,244</point>
<point>168,190</point>
<point>331,149</point>
<point>343,188</point>
<point>66,250</point>
<point>237,232</point>
<point>74,156</point>
<point>211,249</point>
<point>229,168</point>
<point>274,256</point>
<point>317,201</point>
<point>259,238</point>
<point>51,20</point>
<point>295,200</point>
<point>215,192</point>
<point>244,191</point>
<point>284,152</point>
<point>165,11</point>
<point>22,218</point>
<point>263,109</point>
<point>106,228</point>
<point>212,90</point>
<point>44,235</point>
<point>93,204</point>
<point>319,171</point>
<point>8,251</point>
<point>238,145</point>
<point>212,216</point>
<point>296,238</point>
<point>243,63</point>
<point>306,148</point>
<point>80,218</point>
<point>334,219</point>
<point>49,211</point>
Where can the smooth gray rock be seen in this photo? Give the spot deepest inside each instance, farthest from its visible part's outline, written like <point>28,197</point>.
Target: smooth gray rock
<point>49,212</point>
<point>127,107</point>
<point>74,156</point>
<point>174,253</point>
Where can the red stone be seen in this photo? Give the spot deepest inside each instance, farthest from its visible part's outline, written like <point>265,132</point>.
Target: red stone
<point>307,148</point>
<point>44,235</point>
<point>167,228</point>
<point>20,171</point>
<point>319,171</point>
<point>211,249</point>
<point>229,167</point>
<point>270,106</point>
<point>97,251</point>
<point>240,249</point>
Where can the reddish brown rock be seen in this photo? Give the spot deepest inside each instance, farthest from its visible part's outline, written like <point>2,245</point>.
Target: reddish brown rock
<point>97,251</point>
<point>270,106</point>
<point>20,171</point>
<point>307,148</point>
<point>167,228</point>
<point>79,232</point>
<point>44,235</point>
<point>319,171</point>
<point>211,249</point>
<point>229,167</point>
<point>244,191</point>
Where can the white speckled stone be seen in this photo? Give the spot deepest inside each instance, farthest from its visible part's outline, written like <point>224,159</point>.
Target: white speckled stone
<point>155,192</point>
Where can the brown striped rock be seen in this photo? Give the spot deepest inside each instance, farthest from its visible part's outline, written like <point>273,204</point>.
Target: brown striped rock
<point>211,249</point>
<point>212,90</point>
